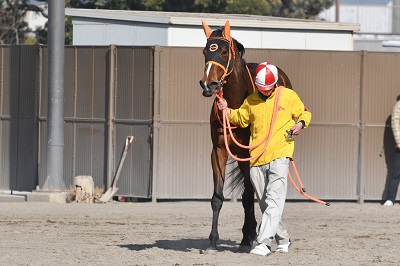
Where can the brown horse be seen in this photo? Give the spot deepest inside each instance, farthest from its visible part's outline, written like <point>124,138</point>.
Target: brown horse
<point>225,69</point>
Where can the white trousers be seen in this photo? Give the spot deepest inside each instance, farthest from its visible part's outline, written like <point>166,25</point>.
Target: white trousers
<point>270,184</point>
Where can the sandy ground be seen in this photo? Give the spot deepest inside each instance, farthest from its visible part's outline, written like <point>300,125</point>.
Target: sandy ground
<point>175,233</point>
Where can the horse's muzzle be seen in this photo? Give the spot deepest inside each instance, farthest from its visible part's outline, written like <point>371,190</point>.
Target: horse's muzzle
<point>209,89</point>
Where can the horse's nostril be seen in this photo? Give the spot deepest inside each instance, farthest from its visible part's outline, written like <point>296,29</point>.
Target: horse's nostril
<point>207,93</point>
<point>213,86</point>
<point>202,84</point>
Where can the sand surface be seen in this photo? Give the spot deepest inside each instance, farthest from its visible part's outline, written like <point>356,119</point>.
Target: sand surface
<point>176,233</point>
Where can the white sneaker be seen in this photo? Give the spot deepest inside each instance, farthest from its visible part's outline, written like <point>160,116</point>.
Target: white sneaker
<point>388,203</point>
<point>261,249</point>
<point>284,248</point>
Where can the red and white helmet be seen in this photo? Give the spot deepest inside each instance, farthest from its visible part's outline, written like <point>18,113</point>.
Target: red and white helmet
<point>266,76</point>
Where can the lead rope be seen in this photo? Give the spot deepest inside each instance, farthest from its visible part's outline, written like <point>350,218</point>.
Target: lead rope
<point>302,191</point>
<point>226,124</point>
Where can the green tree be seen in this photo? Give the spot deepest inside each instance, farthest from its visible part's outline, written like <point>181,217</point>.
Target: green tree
<point>253,7</point>
<point>13,28</point>
<point>302,9</point>
<point>41,32</point>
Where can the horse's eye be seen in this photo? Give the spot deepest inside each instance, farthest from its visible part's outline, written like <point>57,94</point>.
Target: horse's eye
<point>224,52</point>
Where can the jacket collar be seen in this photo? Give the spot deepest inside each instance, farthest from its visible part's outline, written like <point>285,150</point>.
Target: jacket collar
<point>263,97</point>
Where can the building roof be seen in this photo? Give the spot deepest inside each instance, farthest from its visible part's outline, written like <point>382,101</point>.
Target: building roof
<point>212,19</point>
<point>365,2</point>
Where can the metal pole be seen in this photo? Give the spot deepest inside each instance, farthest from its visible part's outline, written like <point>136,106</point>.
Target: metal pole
<point>396,17</point>
<point>110,125</point>
<point>337,10</point>
<point>55,103</point>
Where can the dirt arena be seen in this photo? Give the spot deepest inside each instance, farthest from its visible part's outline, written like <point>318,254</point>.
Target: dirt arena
<point>175,233</point>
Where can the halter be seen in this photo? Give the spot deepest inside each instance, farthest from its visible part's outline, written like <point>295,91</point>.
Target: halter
<point>213,58</point>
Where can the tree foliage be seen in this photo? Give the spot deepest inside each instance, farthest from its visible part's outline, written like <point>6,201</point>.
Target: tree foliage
<point>13,28</point>
<point>41,32</point>
<point>253,7</point>
<point>304,9</point>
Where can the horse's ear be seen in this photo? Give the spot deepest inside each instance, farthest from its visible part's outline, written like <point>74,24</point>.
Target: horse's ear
<point>206,28</point>
<point>227,30</point>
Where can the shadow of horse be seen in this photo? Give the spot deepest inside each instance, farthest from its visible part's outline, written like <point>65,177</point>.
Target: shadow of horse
<point>185,245</point>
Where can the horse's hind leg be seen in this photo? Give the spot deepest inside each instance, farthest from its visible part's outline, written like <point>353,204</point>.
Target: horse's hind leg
<point>250,223</point>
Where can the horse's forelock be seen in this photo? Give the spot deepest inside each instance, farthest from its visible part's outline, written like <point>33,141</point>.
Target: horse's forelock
<point>217,33</point>
<point>240,47</point>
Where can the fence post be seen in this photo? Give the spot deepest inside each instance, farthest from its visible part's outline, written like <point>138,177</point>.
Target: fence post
<point>156,123</point>
<point>110,115</point>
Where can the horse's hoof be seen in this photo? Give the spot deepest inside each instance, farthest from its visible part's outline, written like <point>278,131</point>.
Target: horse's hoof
<point>244,249</point>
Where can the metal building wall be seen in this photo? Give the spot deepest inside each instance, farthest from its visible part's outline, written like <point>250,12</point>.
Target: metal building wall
<point>153,94</point>
<point>133,111</point>
<point>107,98</point>
<point>326,153</point>
<point>182,146</point>
<point>381,90</point>
<point>18,112</point>
<point>85,88</point>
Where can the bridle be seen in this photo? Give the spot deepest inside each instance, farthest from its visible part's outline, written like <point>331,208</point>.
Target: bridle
<point>214,44</point>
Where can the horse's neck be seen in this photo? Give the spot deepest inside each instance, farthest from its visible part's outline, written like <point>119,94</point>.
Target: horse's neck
<point>238,86</point>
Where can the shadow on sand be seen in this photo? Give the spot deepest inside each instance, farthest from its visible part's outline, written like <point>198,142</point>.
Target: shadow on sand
<point>185,245</point>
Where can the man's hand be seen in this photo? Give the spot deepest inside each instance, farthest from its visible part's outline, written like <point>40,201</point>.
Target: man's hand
<point>296,128</point>
<point>222,104</point>
<point>397,146</point>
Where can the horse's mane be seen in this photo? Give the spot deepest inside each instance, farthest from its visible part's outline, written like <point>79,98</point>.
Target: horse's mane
<point>238,45</point>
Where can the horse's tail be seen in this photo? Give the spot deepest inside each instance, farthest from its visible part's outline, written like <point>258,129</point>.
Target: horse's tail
<point>234,183</point>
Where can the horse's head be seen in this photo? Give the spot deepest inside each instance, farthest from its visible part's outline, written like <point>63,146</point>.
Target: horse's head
<point>219,55</point>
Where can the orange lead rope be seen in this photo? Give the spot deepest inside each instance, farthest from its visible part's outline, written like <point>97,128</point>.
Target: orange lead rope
<point>302,191</point>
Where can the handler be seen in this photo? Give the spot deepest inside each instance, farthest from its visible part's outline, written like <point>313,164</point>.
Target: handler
<point>269,171</point>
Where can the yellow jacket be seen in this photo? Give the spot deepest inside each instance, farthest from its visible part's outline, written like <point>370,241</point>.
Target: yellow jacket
<point>257,113</point>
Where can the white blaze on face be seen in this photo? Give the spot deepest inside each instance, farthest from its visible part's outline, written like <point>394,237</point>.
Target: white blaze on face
<point>208,70</point>
<point>207,73</point>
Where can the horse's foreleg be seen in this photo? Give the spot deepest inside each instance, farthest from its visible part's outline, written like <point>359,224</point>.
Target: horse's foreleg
<point>218,161</point>
<point>216,205</point>
<point>250,223</point>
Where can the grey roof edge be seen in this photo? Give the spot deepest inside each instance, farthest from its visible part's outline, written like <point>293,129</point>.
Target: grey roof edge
<point>212,19</point>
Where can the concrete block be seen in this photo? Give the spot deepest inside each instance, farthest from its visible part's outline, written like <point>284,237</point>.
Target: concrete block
<point>48,196</point>
<point>12,198</point>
